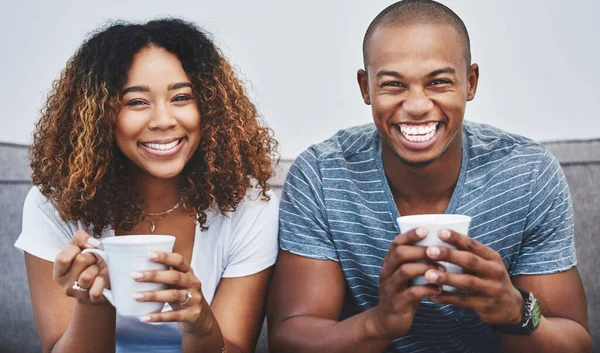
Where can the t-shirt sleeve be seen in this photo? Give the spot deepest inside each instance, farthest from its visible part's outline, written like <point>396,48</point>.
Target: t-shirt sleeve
<point>303,226</point>
<point>253,245</point>
<point>548,241</point>
<point>44,234</point>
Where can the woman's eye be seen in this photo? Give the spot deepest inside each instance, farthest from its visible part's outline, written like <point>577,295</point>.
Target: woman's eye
<point>181,98</point>
<point>136,102</point>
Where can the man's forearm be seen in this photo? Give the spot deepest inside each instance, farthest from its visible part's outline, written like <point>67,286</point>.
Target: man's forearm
<point>303,334</point>
<point>552,335</point>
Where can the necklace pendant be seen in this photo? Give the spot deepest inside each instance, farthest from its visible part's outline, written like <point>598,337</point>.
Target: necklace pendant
<point>152,227</point>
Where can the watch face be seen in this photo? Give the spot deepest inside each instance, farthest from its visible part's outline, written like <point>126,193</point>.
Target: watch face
<point>536,314</point>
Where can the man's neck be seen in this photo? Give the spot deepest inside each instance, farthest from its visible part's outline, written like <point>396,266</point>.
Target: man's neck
<point>423,186</point>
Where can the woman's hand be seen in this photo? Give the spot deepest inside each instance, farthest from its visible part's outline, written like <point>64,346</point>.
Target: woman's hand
<point>82,276</point>
<point>190,311</point>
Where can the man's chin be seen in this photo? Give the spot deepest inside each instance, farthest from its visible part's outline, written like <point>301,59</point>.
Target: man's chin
<point>417,161</point>
<point>417,164</point>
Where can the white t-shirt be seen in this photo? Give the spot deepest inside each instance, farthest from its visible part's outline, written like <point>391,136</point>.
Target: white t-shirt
<point>238,244</point>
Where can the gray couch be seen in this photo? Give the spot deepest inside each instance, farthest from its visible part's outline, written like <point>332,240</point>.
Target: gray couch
<point>580,161</point>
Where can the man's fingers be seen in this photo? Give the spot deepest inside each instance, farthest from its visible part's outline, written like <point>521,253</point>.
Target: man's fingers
<point>407,272</point>
<point>481,304</point>
<point>462,281</point>
<point>463,242</point>
<point>402,250</point>
<point>416,293</point>
<point>410,237</point>
<point>470,262</point>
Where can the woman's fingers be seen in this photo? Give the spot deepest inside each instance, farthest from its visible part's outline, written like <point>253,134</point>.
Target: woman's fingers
<point>87,277</point>
<point>173,296</point>
<point>96,289</point>
<point>174,260</point>
<point>169,277</point>
<point>64,260</point>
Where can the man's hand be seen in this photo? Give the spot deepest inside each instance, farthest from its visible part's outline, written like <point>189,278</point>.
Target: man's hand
<point>398,299</point>
<point>489,290</point>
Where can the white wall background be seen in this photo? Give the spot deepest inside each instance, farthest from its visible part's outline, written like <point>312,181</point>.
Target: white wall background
<point>540,59</point>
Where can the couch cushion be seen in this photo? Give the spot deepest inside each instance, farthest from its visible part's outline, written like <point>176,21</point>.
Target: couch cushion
<point>17,327</point>
<point>580,161</point>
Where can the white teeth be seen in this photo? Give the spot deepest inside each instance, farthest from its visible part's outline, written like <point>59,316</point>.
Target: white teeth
<point>162,146</point>
<point>421,133</point>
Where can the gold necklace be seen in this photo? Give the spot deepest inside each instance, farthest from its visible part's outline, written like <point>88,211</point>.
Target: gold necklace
<point>160,214</point>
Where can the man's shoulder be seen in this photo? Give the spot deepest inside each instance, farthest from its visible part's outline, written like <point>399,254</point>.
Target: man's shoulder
<point>488,144</point>
<point>345,145</point>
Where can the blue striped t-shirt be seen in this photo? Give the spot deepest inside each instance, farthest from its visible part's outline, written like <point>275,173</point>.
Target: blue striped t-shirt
<point>337,205</point>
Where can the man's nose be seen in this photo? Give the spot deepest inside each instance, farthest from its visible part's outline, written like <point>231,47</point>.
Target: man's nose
<point>417,104</point>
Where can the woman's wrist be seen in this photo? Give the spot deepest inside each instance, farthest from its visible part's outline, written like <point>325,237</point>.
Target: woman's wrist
<point>209,343</point>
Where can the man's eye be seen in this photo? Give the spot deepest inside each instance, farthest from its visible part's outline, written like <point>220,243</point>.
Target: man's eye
<point>438,82</point>
<point>392,84</point>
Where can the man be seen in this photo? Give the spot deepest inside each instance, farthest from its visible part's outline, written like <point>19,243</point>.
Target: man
<point>339,235</point>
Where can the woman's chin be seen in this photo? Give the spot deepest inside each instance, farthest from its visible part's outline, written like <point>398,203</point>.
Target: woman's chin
<point>164,172</point>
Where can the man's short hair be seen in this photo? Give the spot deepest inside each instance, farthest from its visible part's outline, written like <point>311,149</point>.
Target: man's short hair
<point>412,12</point>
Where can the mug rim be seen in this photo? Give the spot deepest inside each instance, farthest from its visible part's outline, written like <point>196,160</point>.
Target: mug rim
<point>131,239</point>
<point>436,218</point>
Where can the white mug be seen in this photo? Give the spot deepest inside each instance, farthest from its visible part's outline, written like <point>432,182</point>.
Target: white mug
<point>434,223</point>
<point>125,254</point>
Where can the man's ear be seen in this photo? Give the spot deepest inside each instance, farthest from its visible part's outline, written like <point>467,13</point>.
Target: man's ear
<point>363,84</point>
<point>472,81</point>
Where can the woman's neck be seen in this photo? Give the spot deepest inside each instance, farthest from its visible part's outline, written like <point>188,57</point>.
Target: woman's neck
<point>158,194</point>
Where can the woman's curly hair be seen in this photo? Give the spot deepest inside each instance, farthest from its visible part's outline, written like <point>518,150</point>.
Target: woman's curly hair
<point>74,157</point>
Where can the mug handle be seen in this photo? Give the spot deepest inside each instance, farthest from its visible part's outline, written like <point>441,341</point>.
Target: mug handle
<point>106,292</point>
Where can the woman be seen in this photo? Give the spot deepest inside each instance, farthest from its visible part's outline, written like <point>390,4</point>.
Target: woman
<point>148,130</point>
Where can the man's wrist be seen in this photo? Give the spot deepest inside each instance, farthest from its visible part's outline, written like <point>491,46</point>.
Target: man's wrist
<point>529,319</point>
<point>373,326</point>
<point>520,308</point>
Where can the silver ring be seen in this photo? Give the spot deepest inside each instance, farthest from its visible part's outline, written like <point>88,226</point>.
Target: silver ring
<point>188,296</point>
<point>77,287</point>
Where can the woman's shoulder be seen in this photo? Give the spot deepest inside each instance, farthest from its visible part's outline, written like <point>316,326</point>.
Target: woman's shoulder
<point>257,201</point>
<point>43,233</point>
<point>36,202</point>
<point>39,209</point>
<point>254,205</point>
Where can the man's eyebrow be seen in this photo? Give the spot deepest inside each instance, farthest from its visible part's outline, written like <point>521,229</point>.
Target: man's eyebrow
<point>135,89</point>
<point>446,70</point>
<point>389,73</point>
<point>179,85</point>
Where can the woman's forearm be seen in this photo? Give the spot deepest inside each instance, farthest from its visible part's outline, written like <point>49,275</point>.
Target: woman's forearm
<point>90,330</point>
<point>214,342</point>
